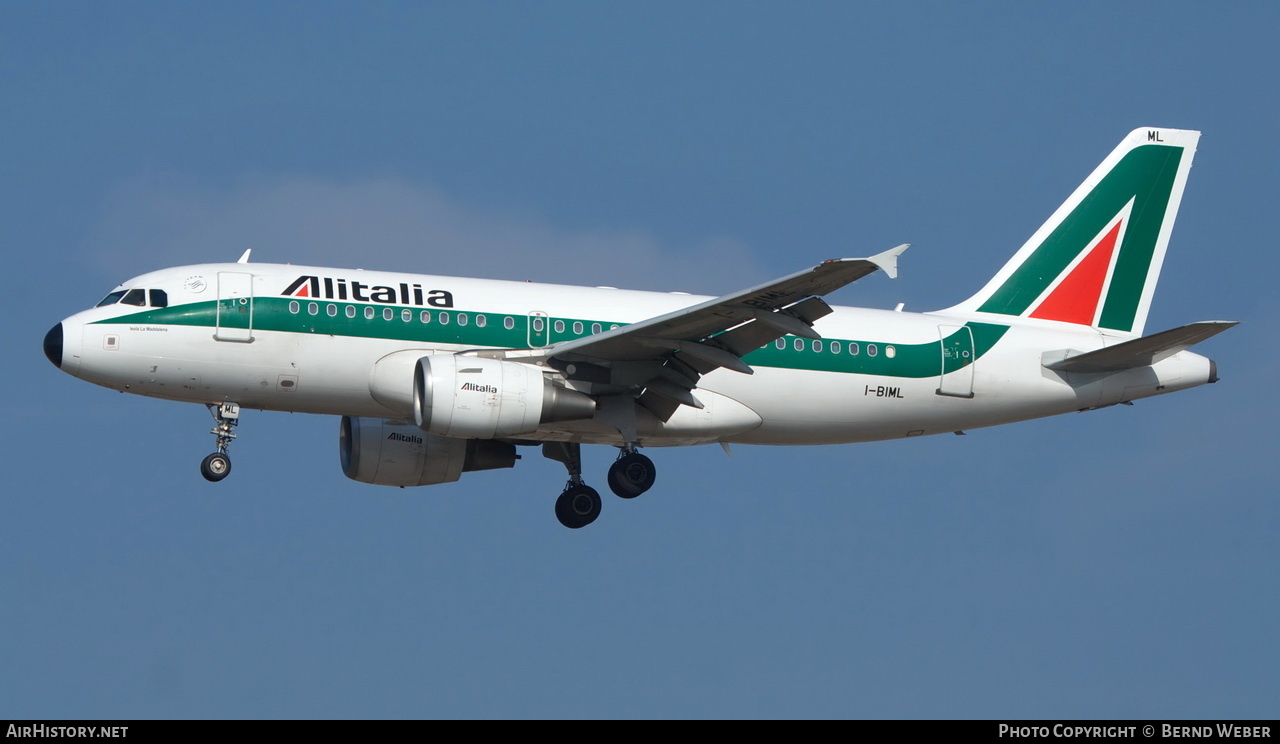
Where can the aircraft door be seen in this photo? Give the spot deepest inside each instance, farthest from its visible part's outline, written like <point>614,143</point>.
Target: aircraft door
<point>956,377</point>
<point>235,307</point>
<point>539,330</point>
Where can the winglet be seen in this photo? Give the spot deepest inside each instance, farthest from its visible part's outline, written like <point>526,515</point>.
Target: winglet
<point>888,261</point>
<point>245,257</point>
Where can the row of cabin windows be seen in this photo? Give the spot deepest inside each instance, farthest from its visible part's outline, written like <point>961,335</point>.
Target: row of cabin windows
<point>137,297</point>
<point>441,317</point>
<point>425,316</point>
<point>578,326</point>
<point>539,324</point>
<point>158,298</point>
<point>462,319</point>
<point>836,347</point>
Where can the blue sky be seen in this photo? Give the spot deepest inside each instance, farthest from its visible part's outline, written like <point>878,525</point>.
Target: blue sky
<point>1120,563</point>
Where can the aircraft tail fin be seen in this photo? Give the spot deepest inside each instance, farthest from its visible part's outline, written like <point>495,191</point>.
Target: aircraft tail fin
<point>1095,262</point>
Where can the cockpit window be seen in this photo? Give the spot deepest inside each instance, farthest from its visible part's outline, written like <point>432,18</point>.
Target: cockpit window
<point>111,299</point>
<point>159,298</point>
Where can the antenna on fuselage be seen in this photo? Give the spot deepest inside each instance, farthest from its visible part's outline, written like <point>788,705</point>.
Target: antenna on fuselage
<point>245,257</point>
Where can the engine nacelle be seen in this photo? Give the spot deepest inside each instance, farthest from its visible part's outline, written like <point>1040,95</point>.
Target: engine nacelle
<point>388,453</point>
<point>473,397</point>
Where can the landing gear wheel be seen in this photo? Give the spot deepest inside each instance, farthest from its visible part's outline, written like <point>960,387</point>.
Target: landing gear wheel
<point>225,417</point>
<point>578,506</point>
<point>215,467</point>
<point>631,475</point>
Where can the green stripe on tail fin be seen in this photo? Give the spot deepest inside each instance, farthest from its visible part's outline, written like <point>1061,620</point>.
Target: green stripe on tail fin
<point>1096,260</point>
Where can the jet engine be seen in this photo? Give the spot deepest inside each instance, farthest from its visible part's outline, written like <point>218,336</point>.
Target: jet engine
<point>473,397</point>
<point>390,453</point>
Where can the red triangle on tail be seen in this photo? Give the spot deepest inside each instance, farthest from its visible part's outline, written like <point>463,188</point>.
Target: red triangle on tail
<point>1075,299</point>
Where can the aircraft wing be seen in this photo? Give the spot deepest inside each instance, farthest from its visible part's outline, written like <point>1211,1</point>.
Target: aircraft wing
<point>666,355</point>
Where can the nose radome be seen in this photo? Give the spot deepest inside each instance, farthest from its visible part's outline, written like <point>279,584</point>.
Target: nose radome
<point>53,345</point>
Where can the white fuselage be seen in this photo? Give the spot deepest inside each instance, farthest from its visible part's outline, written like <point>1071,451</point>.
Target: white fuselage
<point>343,342</point>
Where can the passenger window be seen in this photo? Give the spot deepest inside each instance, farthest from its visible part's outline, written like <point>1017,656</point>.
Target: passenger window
<point>294,307</point>
<point>444,318</point>
<point>368,312</point>
<point>312,308</point>
<point>538,325</point>
<point>482,320</point>
<point>835,347</point>
<point>559,326</point>
<point>388,313</point>
<point>817,346</point>
<point>406,315</point>
<point>799,344</point>
<point>871,350</point>
<point>595,328</point>
<point>853,348</point>
<point>577,328</point>
<point>331,311</point>
<point>508,323</point>
<point>425,316</point>
<point>351,311</point>
<point>890,352</point>
<point>781,343</point>
<point>462,319</point>
<point>111,299</point>
<point>135,297</point>
<point>159,298</point>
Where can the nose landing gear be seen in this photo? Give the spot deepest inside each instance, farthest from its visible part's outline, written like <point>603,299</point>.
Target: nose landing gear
<point>217,466</point>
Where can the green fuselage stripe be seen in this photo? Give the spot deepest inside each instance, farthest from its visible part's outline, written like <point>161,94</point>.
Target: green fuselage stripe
<point>272,314</point>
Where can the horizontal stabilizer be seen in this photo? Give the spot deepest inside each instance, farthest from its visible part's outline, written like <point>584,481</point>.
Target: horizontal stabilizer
<point>1142,352</point>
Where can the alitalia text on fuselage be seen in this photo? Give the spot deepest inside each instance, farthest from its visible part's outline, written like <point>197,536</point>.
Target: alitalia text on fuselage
<point>402,293</point>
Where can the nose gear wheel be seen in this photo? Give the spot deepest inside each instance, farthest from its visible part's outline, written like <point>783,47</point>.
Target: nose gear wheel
<point>217,466</point>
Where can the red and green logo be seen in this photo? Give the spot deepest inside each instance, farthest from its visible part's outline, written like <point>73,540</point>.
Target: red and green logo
<point>1095,265</point>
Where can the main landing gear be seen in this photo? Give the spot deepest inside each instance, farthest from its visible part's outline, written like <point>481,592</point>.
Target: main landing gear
<point>631,474</point>
<point>579,505</point>
<point>217,466</point>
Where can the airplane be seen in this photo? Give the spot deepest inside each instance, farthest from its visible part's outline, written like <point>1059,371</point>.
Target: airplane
<point>437,376</point>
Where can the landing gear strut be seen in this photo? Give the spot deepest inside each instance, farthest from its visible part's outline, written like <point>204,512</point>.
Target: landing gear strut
<point>631,474</point>
<point>579,504</point>
<point>217,466</point>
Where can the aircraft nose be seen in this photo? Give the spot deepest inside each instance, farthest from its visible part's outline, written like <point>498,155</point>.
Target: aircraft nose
<point>53,345</point>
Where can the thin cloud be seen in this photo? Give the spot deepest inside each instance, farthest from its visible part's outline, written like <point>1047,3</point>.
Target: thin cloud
<point>387,223</point>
